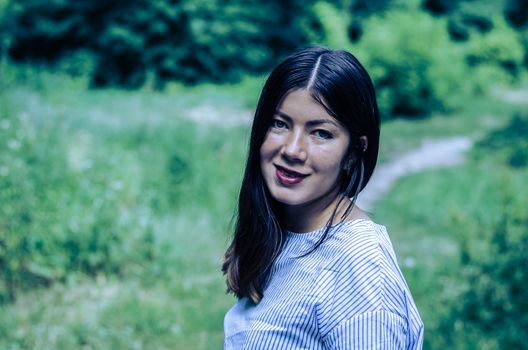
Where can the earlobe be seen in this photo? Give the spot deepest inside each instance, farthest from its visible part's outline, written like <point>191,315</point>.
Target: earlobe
<point>364,143</point>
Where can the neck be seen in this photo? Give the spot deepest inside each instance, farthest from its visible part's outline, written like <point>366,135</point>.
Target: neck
<point>313,216</point>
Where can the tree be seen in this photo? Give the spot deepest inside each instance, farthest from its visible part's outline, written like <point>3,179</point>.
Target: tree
<point>136,40</point>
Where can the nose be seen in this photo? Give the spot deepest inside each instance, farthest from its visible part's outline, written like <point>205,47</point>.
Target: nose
<point>294,148</point>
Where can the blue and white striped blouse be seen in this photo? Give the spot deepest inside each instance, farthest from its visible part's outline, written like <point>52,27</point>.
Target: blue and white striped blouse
<point>347,294</point>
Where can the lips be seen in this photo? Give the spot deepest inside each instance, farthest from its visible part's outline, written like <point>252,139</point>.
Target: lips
<point>288,176</point>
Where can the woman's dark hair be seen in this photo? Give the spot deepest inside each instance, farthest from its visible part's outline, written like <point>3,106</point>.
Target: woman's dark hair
<point>337,80</point>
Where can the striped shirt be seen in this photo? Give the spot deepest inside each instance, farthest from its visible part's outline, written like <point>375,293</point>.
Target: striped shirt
<point>347,294</point>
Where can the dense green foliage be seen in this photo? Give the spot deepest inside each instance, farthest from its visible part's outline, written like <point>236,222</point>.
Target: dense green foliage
<point>138,41</point>
<point>467,17</point>
<point>415,78</point>
<point>493,307</point>
<point>135,43</point>
<point>411,77</point>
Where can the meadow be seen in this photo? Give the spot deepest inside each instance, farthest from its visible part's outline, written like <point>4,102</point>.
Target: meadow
<point>116,209</point>
<point>126,201</point>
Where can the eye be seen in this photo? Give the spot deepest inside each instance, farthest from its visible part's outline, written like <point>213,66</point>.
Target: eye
<point>323,134</point>
<point>278,124</point>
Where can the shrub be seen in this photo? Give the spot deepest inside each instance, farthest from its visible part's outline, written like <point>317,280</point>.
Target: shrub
<point>413,77</point>
<point>135,42</point>
<point>416,68</point>
<point>495,57</point>
<point>492,311</point>
<point>470,19</point>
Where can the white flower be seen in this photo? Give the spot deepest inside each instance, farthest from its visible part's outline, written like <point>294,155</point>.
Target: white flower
<point>409,262</point>
<point>117,185</point>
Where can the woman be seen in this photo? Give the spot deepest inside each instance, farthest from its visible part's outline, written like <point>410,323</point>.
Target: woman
<point>309,268</point>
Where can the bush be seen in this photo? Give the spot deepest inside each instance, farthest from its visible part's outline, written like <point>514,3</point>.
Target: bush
<point>135,42</point>
<point>416,68</point>
<point>492,310</point>
<point>495,57</point>
<point>469,19</point>
<point>412,76</point>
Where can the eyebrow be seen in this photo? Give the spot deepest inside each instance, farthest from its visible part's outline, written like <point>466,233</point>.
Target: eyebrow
<point>311,122</point>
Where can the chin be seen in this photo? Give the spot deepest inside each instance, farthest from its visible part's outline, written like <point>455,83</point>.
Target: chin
<point>289,199</point>
<point>291,203</point>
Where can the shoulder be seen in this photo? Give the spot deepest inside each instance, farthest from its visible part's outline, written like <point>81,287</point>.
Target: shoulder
<point>356,245</point>
<point>359,253</point>
<point>361,275</point>
<point>364,261</point>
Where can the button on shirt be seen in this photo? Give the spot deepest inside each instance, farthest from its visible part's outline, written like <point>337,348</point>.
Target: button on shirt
<point>347,294</point>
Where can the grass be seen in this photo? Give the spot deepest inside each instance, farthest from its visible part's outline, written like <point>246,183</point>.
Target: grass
<point>171,179</point>
<point>162,174</point>
<point>125,314</point>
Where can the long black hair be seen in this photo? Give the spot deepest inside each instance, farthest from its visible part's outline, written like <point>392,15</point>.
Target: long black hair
<point>337,80</point>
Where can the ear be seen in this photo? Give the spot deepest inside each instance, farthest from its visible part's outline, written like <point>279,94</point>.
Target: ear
<point>364,143</point>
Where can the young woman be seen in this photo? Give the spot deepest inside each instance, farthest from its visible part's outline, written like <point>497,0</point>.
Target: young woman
<point>309,268</point>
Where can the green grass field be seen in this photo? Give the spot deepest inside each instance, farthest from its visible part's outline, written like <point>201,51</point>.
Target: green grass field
<point>138,178</point>
<point>171,185</point>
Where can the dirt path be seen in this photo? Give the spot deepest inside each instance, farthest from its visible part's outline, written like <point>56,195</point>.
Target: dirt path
<point>436,153</point>
<point>512,96</point>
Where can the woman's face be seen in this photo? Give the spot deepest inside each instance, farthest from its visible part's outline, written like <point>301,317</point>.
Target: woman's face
<point>303,153</point>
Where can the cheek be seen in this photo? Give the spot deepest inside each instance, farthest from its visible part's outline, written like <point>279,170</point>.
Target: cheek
<point>269,147</point>
<point>263,153</point>
<point>266,155</point>
<point>331,160</point>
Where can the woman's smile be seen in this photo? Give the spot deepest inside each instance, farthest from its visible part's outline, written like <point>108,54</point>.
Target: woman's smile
<point>288,177</point>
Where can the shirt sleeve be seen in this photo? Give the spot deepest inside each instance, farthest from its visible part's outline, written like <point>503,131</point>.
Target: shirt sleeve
<point>379,329</point>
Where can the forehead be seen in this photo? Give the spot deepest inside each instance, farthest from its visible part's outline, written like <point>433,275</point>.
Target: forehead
<point>300,104</point>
